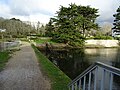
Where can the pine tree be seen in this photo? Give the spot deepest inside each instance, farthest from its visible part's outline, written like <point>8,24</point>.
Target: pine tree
<point>71,24</point>
<point>49,29</point>
<point>117,20</point>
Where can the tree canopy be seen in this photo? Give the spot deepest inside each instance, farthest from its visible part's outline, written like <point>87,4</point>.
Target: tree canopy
<point>72,23</point>
<point>117,20</point>
<point>17,28</point>
<point>49,28</point>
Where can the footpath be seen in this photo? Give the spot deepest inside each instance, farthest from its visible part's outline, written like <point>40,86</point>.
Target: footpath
<point>22,72</point>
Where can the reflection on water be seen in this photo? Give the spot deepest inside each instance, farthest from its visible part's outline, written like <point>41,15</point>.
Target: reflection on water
<point>75,61</point>
<point>70,61</point>
<point>108,56</point>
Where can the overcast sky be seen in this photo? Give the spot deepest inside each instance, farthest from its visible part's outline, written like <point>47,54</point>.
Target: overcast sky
<point>42,10</point>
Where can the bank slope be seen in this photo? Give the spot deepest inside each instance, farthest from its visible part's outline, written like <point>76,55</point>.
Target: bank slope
<point>59,80</point>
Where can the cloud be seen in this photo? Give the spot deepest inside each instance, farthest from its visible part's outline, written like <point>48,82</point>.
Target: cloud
<point>42,18</point>
<point>42,10</point>
<point>28,7</point>
<point>106,10</point>
<point>4,10</point>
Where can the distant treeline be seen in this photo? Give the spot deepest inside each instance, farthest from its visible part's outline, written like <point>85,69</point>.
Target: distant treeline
<point>17,28</point>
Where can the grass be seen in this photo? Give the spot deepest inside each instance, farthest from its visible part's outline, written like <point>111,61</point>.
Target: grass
<point>24,39</point>
<point>4,56</point>
<point>42,41</point>
<point>59,80</point>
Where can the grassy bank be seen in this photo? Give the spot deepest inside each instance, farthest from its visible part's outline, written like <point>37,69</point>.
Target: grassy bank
<point>43,41</point>
<point>59,80</point>
<point>4,56</point>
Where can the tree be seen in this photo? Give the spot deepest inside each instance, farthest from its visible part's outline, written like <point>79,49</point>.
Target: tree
<point>106,29</point>
<point>42,30</point>
<point>71,23</point>
<point>117,20</point>
<point>38,27</point>
<point>89,16</point>
<point>15,27</point>
<point>49,28</point>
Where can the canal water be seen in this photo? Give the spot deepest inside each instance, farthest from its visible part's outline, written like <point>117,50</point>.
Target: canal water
<point>74,61</point>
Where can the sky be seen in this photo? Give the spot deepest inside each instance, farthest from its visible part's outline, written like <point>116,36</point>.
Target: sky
<point>43,10</point>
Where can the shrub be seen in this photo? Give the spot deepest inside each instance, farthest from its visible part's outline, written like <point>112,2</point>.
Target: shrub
<point>103,37</point>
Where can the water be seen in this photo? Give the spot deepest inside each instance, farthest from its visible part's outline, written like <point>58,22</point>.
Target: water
<point>74,61</point>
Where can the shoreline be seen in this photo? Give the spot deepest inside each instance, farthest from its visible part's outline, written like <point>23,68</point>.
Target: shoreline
<point>88,44</point>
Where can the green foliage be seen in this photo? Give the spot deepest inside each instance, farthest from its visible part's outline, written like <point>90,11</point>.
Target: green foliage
<point>102,37</point>
<point>18,29</point>
<point>43,41</point>
<point>117,20</point>
<point>71,22</point>
<point>59,80</point>
<point>49,29</point>
<point>117,38</point>
<point>4,56</point>
<point>40,29</point>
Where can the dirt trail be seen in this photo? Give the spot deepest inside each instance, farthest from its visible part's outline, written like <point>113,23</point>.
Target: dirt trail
<point>22,72</point>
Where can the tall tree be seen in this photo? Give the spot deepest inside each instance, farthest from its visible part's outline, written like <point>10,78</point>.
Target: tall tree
<point>117,20</point>
<point>72,22</point>
<point>106,29</point>
<point>38,27</point>
<point>49,28</point>
<point>42,30</point>
<point>89,16</point>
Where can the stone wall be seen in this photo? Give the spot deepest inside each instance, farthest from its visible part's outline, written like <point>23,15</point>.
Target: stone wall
<point>8,45</point>
<point>102,43</point>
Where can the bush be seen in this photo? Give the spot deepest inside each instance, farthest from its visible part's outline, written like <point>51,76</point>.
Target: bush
<point>117,38</point>
<point>4,56</point>
<point>103,37</point>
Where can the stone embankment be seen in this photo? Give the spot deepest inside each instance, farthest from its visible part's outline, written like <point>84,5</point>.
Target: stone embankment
<point>88,44</point>
<point>102,43</point>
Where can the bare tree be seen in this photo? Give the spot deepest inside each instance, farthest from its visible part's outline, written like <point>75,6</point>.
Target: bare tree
<point>106,29</point>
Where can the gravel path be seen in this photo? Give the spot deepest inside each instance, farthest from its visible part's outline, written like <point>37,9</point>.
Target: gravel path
<point>22,72</point>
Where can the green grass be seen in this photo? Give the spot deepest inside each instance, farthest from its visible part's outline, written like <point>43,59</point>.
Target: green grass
<point>24,39</point>
<point>4,56</point>
<point>1,40</point>
<point>59,80</point>
<point>42,41</point>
